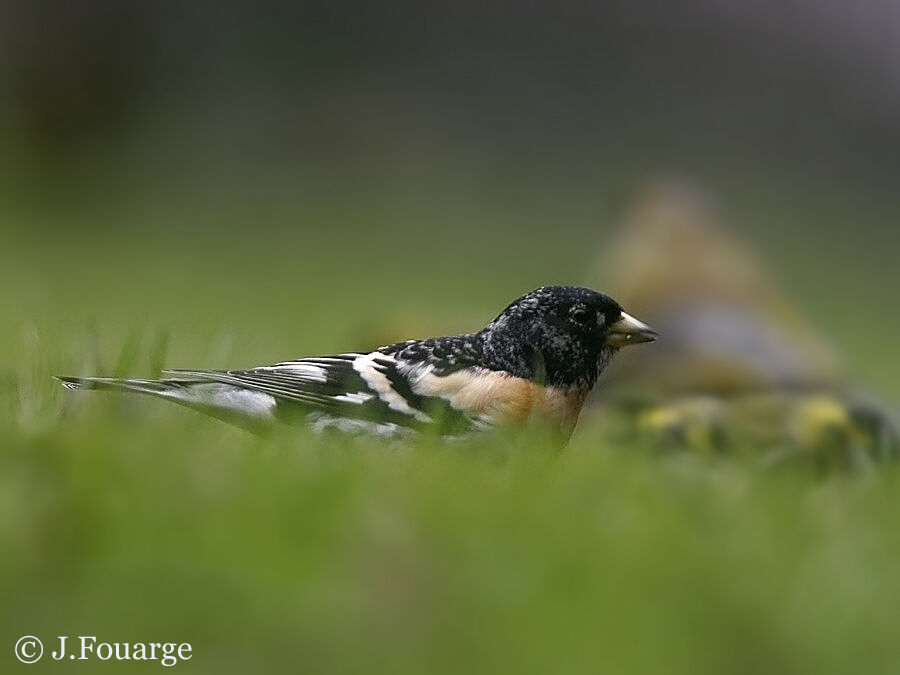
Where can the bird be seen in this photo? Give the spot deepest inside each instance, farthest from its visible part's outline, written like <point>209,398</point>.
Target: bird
<point>540,357</point>
<point>742,368</point>
<point>729,327</point>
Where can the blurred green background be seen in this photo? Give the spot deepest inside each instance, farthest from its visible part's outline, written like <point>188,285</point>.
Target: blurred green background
<point>227,184</point>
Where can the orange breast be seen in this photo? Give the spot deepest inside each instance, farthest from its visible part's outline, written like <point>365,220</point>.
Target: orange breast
<point>499,398</point>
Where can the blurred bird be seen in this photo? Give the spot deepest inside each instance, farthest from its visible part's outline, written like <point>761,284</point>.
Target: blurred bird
<point>540,357</point>
<point>739,367</point>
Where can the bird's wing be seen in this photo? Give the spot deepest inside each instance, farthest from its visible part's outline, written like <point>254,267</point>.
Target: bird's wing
<point>347,391</point>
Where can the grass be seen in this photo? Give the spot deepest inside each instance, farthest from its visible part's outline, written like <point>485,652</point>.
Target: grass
<point>341,556</point>
<point>134,520</point>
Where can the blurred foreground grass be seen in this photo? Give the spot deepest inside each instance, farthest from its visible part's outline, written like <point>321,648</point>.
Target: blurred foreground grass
<point>347,556</point>
<point>135,520</point>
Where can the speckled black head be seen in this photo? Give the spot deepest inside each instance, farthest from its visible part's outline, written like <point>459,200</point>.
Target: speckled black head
<point>560,335</point>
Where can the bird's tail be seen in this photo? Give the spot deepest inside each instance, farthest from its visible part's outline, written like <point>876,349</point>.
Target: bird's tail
<point>245,408</point>
<point>153,387</point>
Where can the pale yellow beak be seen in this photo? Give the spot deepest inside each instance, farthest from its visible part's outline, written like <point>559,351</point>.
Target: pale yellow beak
<point>629,331</point>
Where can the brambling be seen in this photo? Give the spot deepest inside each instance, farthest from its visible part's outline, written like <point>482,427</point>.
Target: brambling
<point>540,357</point>
<point>741,367</point>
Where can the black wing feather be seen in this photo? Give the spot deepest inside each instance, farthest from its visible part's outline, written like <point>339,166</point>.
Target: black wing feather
<point>330,387</point>
<point>289,386</point>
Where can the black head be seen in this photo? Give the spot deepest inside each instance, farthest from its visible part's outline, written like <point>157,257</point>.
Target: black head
<point>560,335</point>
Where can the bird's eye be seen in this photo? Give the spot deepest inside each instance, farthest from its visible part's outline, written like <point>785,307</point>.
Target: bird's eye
<point>582,316</point>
